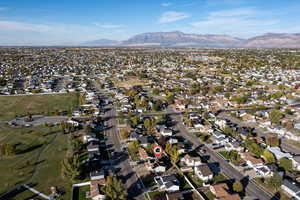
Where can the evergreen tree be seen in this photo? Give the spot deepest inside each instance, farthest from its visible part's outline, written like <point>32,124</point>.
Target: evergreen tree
<point>114,189</point>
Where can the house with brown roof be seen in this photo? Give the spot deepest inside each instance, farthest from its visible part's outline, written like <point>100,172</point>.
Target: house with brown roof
<point>221,191</point>
<point>143,154</point>
<point>251,160</point>
<point>95,190</point>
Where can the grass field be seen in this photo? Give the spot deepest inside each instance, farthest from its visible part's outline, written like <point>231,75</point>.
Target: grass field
<point>48,104</point>
<point>40,164</point>
<point>131,81</point>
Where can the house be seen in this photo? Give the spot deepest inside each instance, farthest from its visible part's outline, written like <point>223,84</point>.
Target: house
<point>168,183</point>
<point>278,153</point>
<point>218,135</point>
<point>166,132</point>
<point>172,140</point>
<point>191,161</point>
<point>97,175</point>
<point>291,188</point>
<point>204,172</point>
<point>159,168</point>
<point>221,123</point>
<point>155,166</point>
<point>181,147</point>
<point>263,171</point>
<point>296,162</point>
<point>95,190</point>
<point>221,140</point>
<point>145,140</point>
<point>251,161</point>
<point>88,136</point>
<point>221,191</point>
<point>247,117</point>
<point>143,154</point>
<point>233,146</point>
<point>93,147</point>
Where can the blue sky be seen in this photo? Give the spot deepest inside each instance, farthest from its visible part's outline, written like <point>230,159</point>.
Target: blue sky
<point>72,21</point>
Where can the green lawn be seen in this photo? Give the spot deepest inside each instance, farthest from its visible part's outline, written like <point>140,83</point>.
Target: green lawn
<point>80,193</point>
<point>48,146</point>
<point>49,104</point>
<point>209,195</point>
<point>156,194</point>
<point>194,179</point>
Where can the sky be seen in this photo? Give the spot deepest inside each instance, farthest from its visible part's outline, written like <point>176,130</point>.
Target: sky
<point>51,22</point>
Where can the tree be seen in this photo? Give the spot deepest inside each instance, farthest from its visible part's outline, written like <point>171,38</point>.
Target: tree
<point>168,148</point>
<point>71,166</point>
<point>275,181</point>
<point>286,164</point>
<point>275,116</point>
<point>135,120</point>
<point>268,156</point>
<point>147,123</point>
<point>63,126</point>
<point>3,82</point>
<point>125,133</point>
<point>174,155</point>
<point>238,187</point>
<point>76,145</point>
<point>7,149</point>
<point>114,189</point>
<point>253,147</point>
<point>82,99</point>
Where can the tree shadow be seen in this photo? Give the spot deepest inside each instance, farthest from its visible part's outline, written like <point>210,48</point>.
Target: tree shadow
<point>124,178</point>
<point>134,191</point>
<point>31,148</point>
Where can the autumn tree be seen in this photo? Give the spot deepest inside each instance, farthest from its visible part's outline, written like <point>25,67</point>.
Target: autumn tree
<point>286,164</point>
<point>275,116</point>
<point>268,156</point>
<point>237,186</point>
<point>174,155</point>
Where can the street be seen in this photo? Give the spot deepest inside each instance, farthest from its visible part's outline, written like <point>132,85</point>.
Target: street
<point>284,145</point>
<point>252,189</point>
<point>121,160</point>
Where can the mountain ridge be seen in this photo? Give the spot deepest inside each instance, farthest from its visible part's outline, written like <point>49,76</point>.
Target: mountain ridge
<point>180,39</point>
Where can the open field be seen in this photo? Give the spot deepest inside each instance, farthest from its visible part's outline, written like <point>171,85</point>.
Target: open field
<point>42,149</point>
<point>132,81</point>
<point>49,104</point>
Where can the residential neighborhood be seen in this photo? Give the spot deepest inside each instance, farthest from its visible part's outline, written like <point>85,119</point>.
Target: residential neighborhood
<point>152,124</point>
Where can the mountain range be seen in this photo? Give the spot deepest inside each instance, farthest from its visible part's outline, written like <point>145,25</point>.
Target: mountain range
<point>180,39</point>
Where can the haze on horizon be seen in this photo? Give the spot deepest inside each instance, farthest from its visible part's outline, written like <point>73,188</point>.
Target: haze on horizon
<point>52,22</point>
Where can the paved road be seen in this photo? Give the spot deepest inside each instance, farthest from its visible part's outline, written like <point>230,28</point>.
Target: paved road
<point>284,145</point>
<point>251,189</point>
<point>126,172</point>
<point>39,119</point>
